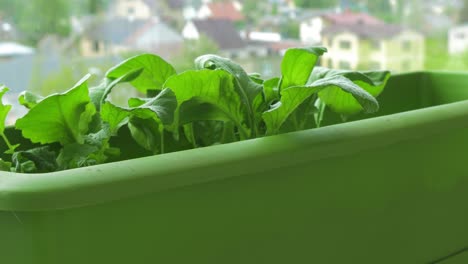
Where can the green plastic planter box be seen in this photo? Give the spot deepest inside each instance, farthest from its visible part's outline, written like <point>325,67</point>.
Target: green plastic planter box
<point>388,189</point>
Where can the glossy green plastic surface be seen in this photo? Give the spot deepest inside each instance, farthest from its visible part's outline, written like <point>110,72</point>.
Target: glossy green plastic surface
<point>388,189</point>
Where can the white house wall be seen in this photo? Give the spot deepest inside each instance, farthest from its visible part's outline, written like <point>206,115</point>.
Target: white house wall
<point>190,31</point>
<point>414,57</point>
<point>337,55</point>
<point>204,12</point>
<point>458,39</point>
<point>136,9</point>
<point>310,30</point>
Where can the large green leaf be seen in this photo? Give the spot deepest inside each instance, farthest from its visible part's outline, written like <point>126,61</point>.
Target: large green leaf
<point>343,102</point>
<point>297,65</point>
<point>212,87</point>
<point>36,160</point>
<point>100,93</point>
<point>60,118</point>
<point>293,97</point>
<point>155,71</point>
<point>145,120</point>
<point>248,89</point>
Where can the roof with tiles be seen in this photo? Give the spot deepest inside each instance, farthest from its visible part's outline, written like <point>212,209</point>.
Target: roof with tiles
<point>225,10</point>
<point>349,17</point>
<point>221,31</point>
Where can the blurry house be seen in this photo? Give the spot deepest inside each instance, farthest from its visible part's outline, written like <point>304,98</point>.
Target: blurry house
<point>117,35</point>
<point>458,39</point>
<point>221,32</point>
<point>374,46</point>
<point>134,9</point>
<point>313,23</point>
<point>228,10</point>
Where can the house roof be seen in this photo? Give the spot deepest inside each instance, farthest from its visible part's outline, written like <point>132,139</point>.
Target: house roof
<point>221,31</point>
<point>312,13</point>
<point>113,30</point>
<point>377,31</point>
<point>155,33</point>
<point>225,10</point>
<point>349,17</point>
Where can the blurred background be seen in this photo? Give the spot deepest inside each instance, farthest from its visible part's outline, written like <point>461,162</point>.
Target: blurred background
<point>48,45</point>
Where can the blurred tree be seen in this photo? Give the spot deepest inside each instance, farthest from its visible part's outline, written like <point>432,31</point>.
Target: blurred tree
<point>385,10</point>
<point>413,15</point>
<point>35,19</point>
<point>97,6</point>
<point>463,15</point>
<point>316,3</point>
<point>290,30</point>
<point>192,49</point>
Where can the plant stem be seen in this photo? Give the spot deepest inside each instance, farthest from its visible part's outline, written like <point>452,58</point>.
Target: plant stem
<point>7,142</point>
<point>162,140</point>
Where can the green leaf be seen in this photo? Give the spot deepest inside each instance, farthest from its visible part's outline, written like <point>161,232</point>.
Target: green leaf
<point>318,116</point>
<point>147,133</point>
<point>343,102</point>
<point>297,65</point>
<point>28,99</point>
<point>147,119</point>
<point>247,88</point>
<point>60,118</point>
<point>271,91</point>
<point>208,133</point>
<point>36,160</point>
<point>155,71</point>
<point>4,110</point>
<point>100,93</point>
<point>135,102</point>
<point>160,108</point>
<point>76,155</point>
<point>292,97</point>
<point>208,87</point>
<point>94,150</point>
<point>5,165</point>
<point>115,116</point>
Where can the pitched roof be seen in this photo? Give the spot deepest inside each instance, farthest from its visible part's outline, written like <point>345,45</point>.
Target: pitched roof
<point>113,30</point>
<point>349,17</point>
<point>379,31</point>
<point>154,33</point>
<point>221,31</point>
<point>225,10</point>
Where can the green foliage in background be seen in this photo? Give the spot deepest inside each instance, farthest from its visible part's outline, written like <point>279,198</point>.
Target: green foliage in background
<point>37,18</point>
<point>191,50</point>
<point>463,13</point>
<point>316,3</point>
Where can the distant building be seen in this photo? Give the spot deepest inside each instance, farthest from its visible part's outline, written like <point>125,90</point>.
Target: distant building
<point>360,41</point>
<point>117,35</point>
<point>373,47</point>
<point>229,10</point>
<point>458,39</point>
<point>313,23</point>
<point>134,9</point>
<point>221,32</point>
